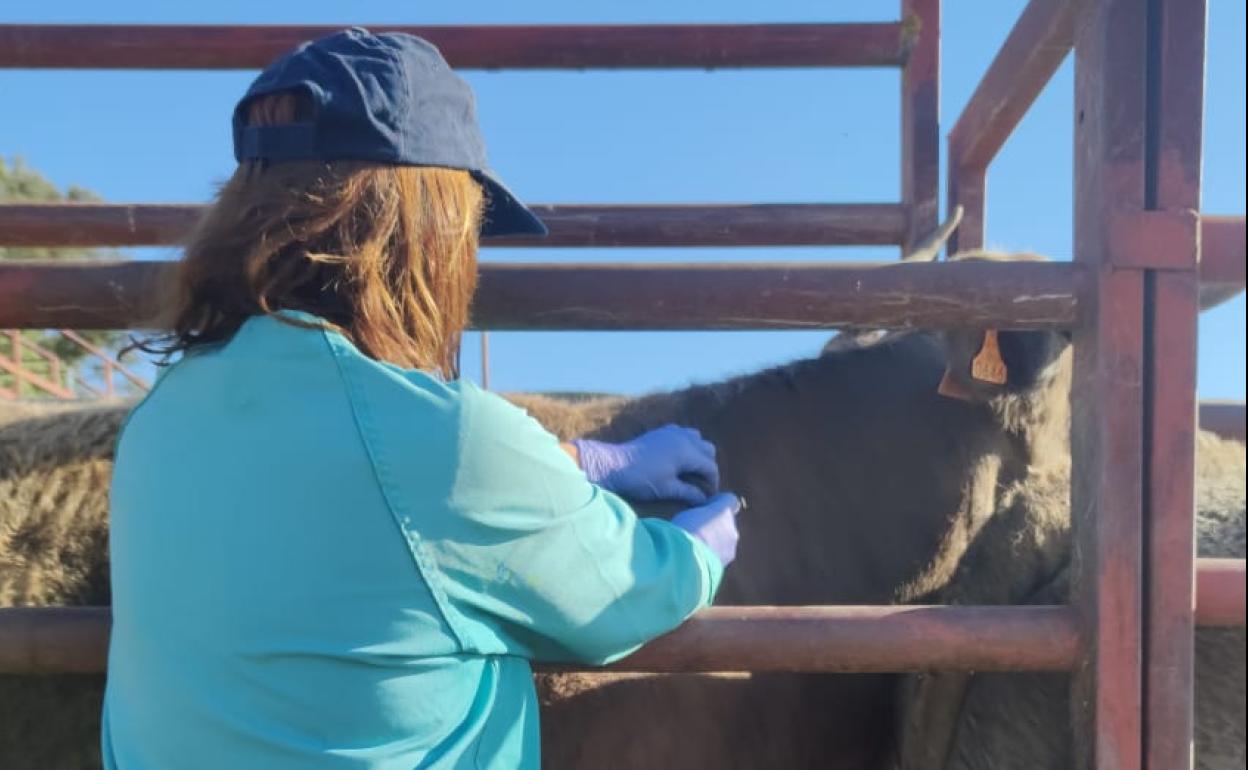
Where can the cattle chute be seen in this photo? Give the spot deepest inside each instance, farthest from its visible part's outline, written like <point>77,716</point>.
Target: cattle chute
<point>1142,252</point>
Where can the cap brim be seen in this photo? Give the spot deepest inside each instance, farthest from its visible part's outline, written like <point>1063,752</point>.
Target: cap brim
<point>504,213</point>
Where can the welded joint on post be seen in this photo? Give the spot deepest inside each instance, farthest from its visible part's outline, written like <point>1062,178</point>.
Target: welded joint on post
<point>1155,240</point>
<point>911,29</point>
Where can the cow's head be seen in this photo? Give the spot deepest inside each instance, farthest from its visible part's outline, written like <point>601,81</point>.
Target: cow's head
<point>984,364</point>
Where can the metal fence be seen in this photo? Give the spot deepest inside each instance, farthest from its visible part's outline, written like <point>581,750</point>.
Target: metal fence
<point>1141,249</point>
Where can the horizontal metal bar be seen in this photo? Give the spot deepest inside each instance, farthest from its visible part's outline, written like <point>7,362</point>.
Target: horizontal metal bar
<point>1033,295</point>
<point>595,225</point>
<point>1225,418</point>
<point>1032,52</point>
<point>1220,592</point>
<point>54,640</point>
<point>866,639</point>
<point>1222,250</point>
<point>48,640</point>
<point>698,46</point>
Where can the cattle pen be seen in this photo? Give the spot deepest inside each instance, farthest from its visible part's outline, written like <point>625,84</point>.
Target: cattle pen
<point>1142,252</point>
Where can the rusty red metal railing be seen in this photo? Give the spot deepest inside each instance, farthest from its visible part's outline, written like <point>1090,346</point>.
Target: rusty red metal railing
<point>74,640</point>
<point>1220,592</point>
<point>1137,155</point>
<point>21,374</point>
<point>767,224</point>
<point>666,46</point>
<point>61,381</point>
<point>1132,296</point>
<point>1034,49</point>
<point>842,639</point>
<point>1222,251</point>
<point>1139,70</point>
<point>109,365</point>
<point>633,296</point>
<point>920,111</point>
<point>1225,418</point>
<point>800,224</point>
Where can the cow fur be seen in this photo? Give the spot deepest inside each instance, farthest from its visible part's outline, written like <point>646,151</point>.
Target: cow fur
<point>54,474</point>
<point>1011,721</point>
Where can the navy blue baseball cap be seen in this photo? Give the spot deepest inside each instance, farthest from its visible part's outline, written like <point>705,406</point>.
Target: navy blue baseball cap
<point>389,98</point>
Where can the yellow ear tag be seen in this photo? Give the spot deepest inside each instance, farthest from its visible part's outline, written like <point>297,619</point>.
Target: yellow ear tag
<point>987,365</point>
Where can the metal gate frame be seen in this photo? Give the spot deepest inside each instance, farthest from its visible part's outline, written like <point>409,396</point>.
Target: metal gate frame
<point>1141,247</point>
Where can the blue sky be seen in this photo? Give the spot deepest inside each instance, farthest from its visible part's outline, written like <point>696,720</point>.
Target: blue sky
<point>732,136</point>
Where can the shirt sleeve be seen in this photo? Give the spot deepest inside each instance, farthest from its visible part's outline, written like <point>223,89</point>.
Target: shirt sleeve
<point>562,569</point>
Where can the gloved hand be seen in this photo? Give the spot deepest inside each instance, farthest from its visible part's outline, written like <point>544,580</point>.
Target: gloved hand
<point>715,524</point>
<point>651,466</point>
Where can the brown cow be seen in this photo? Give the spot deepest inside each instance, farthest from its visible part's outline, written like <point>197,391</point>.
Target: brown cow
<point>955,721</point>
<point>869,497</point>
<point>864,487</point>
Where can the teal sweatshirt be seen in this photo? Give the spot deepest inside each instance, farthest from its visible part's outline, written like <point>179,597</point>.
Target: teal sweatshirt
<point>323,561</point>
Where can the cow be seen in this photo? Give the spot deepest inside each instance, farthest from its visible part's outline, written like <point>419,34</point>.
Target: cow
<point>868,497</point>
<point>1013,721</point>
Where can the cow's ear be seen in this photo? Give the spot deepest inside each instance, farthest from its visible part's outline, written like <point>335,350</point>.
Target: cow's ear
<point>984,364</point>
<point>953,386</point>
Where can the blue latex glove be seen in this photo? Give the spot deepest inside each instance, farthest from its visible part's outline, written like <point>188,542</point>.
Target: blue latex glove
<point>668,463</point>
<point>715,524</point>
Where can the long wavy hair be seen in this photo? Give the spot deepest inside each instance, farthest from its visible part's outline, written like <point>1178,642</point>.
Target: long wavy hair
<point>387,255</point>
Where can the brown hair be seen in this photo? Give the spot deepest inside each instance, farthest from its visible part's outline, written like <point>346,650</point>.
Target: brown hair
<point>385,254</point>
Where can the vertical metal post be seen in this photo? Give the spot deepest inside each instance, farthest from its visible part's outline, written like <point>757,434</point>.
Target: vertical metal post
<point>920,120</point>
<point>1138,79</point>
<point>1107,435</point>
<point>1173,133</point>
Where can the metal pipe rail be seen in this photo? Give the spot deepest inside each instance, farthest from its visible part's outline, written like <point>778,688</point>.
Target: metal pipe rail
<point>1034,49</point>
<point>59,640</point>
<point>1023,66</point>
<point>1222,251</point>
<point>74,640</point>
<point>1033,295</point>
<point>1220,594</point>
<point>668,46</point>
<point>586,225</point>
<point>595,225</point>
<point>1037,45</point>
<point>1128,633</point>
<point>1225,418</point>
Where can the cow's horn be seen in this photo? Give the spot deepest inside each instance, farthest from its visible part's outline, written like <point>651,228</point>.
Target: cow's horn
<point>929,249</point>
